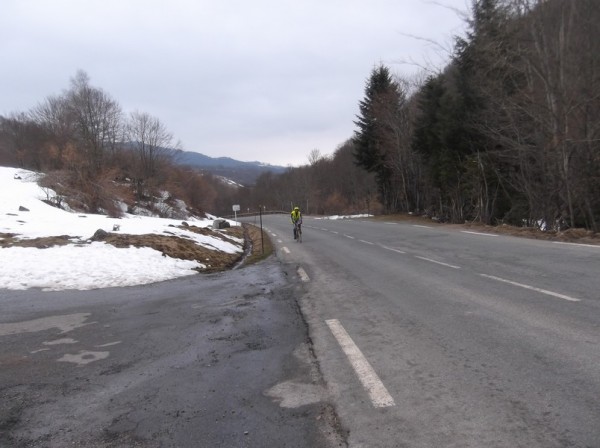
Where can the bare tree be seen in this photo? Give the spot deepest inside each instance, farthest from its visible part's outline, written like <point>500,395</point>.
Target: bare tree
<point>98,122</point>
<point>152,145</point>
<point>55,116</point>
<point>543,85</point>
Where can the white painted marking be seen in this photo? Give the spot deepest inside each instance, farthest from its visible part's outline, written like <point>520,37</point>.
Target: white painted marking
<point>578,244</point>
<point>286,250</point>
<point>348,236</point>
<point>64,323</point>
<point>379,395</point>
<point>423,227</point>
<point>393,250</point>
<point>303,275</point>
<point>334,232</point>
<point>438,262</point>
<point>325,230</point>
<point>39,350</point>
<point>84,357</point>
<point>543,291</point>
<point>60,341</point>
<point>279,241</point>
<point>367,242</point>
<point>478,233</point>
<point>291,394</point>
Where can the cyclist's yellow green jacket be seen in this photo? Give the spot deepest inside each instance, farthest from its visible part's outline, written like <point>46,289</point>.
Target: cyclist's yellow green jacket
<point>296,216</point>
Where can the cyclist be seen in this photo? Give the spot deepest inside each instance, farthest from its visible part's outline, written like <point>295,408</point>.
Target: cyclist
<point>296,218</point>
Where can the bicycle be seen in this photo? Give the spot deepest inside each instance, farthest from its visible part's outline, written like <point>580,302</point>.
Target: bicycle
<point>298,232</point>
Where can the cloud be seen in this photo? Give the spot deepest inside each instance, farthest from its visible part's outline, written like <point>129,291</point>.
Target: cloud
<point>232,78</point>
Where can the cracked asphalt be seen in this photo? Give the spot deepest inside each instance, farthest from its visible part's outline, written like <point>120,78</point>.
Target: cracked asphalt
<point>219,360</point>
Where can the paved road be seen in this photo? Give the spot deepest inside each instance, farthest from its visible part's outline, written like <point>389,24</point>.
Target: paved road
<point>206,361</point>
<point>432,337</point>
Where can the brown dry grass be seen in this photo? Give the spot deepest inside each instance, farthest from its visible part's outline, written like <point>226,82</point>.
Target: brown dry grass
<point>261,244</point>
<point>10,240</point>
<point>169,245</point>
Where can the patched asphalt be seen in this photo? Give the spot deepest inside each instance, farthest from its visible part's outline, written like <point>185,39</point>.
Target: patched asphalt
<point>216,360</point>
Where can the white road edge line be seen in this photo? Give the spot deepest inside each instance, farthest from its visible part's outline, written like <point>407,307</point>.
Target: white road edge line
<point>303,275</point>
<point>478,233</point>
<point>286,250</point>
<point>378,394</point>
<point>438,262</point>
<point>543,291</point>
<point>577,244</point>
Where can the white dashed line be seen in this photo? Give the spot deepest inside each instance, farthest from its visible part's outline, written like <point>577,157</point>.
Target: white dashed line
<point>367,242</point>
<point>303,275</point>
<point>348,236</point>
<point>279,241</point>
<point>438,262</point>
<point>393,250</point>
<point>423,227</point>
<point>478,233</point>
<point>335,233</point>
<point>379,395</point>
<point>286,250</point>
<point>533,288</point>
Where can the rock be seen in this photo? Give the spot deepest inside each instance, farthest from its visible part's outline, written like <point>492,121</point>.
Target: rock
<point>185,224</point>
<point>100,235</point>
<point>23,209</point>
<point>220,224</point>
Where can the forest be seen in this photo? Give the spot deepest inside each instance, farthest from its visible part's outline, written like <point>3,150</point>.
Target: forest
<point>507,133</point>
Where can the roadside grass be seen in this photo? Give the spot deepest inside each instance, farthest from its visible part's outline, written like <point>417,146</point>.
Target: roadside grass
<point>581,236</point>
<point>258,242</point>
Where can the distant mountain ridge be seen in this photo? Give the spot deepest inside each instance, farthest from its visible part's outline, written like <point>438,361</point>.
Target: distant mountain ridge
<point>244,173</point>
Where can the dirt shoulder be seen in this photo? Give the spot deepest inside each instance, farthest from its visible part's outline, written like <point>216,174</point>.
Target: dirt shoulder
<point>581,236</point>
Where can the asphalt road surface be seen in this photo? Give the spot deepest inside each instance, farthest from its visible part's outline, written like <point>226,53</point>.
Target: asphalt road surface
<point>222,360</point>
<point>428,336</point>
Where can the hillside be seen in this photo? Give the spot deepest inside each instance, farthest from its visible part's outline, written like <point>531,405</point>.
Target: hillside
<point>244,173</point>
<point>44,246</point>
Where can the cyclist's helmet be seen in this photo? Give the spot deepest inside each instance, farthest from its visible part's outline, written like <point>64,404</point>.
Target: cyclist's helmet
<point>296,208</point>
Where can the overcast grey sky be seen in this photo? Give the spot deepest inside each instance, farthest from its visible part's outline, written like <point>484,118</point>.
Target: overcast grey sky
<point>266,80</point>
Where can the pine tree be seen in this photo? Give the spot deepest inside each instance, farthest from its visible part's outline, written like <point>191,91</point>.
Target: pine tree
<point>371,139</point>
